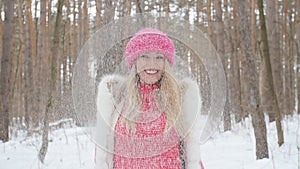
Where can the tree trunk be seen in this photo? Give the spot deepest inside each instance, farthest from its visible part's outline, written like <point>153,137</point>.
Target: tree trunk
<point>267,76</point>
<point>273,29</point>
<point>28,74</point>
<point>16,87</point>
<point>298,50</point>
<point>67,49</point>
<point>250,82</point>
<point>275,61</point>
<point>86,21</point>
<point>74,43</point>
<point>140,6</point>
<point>5,69</point>
<point>221,51</point>
<point>287,81</point>
<point>42,62</point>
<point>236,67</point>
<point>128,8</point>
<point>80,25</point>
<point>253,26</point>
<point>210,27</point>
<point>198,18</point>
<point>51,95</point>
<point>1,33</point>
<point>98,14</point>
<point>291,53</point>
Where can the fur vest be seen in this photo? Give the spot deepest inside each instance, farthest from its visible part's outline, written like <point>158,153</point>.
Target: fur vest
<point>108,89</point>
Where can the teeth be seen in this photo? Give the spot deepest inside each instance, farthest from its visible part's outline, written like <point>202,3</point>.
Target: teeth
<point>151,71</point>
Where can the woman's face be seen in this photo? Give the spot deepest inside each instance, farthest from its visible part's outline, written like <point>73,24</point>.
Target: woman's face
<point>150,67</point>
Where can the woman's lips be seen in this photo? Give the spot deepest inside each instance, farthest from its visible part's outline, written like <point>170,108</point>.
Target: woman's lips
<point>151,71</point>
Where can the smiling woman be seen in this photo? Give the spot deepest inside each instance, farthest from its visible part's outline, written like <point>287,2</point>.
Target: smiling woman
<point>150,112</point>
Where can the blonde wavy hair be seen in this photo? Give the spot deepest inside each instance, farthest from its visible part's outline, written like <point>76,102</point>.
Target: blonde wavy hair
<point>168,101</point>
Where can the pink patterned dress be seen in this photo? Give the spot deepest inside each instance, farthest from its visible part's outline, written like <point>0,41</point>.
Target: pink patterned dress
<point>150,147</point>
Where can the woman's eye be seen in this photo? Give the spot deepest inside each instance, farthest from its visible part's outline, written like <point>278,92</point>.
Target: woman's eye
<point>144,56</point>
<point>159,57</point>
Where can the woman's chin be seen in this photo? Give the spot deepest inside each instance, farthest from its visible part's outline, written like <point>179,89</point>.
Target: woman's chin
<point>150,82</point>
<point>149,79</point>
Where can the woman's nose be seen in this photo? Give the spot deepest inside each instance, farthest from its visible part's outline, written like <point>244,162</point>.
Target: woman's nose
<point>152,63</point>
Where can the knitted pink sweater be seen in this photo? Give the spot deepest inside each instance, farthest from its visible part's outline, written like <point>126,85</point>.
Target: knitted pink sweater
<point>149,147</point>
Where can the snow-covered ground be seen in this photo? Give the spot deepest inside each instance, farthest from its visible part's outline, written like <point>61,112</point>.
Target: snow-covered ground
<point>70,148</point>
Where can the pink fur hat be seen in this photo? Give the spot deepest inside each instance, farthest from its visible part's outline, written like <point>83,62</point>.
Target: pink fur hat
<point>149,40</point>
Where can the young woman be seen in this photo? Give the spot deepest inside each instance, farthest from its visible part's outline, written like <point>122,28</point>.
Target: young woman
<point>149,119</point>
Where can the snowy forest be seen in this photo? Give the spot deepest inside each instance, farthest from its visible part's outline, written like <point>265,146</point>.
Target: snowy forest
<point>258,42</point>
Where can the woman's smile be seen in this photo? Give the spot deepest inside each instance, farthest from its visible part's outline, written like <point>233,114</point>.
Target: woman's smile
<point>151,71</point>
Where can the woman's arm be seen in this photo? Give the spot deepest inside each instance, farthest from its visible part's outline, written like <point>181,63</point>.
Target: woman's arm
<point>105,106</point>
<point>192,120</point>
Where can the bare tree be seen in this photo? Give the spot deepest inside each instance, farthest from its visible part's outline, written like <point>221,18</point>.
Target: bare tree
<point>286,37</point>
<point>210,27</point>
<point>273,32</point>
<point>66,48</point>
<point>17,87</point>
<point>199,17</point>
<point>86,21</point>
<point>235,67</point>
<point>221,51</point>
<point>250,82</point>
<point>5,68</point>
<point>127,8</point>
<point>17,80</point>
<point>298,50</point>
<point>140,6</point>
<point>28,70</point>
<point>1,33</point>
<point>74,36</point>
<point>98,13</point>
<point>80,22</point>
<point>298,24</point>
<point>292,52</point>
<point>266,73</point>
<point>51,95</point>
<point>42,53</point>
